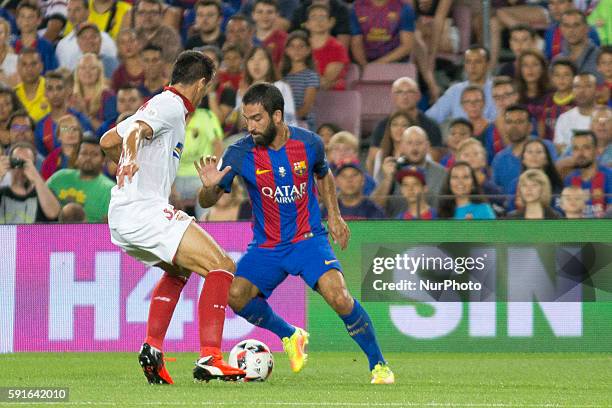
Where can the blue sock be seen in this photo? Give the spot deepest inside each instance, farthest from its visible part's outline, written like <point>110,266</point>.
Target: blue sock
<point>259,313</point>
<point>360,328</point>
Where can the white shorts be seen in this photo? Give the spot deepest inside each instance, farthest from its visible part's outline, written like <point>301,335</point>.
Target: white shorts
<point>148,232</point>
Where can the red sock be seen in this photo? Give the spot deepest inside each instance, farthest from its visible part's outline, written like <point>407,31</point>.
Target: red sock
<point>163,302</point>
<point>211,310</point>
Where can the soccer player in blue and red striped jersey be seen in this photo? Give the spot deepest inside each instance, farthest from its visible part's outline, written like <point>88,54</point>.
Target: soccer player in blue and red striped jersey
<point>283,168</point>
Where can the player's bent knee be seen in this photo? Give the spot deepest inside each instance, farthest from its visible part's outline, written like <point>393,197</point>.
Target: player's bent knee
<point>238,297</point>
<point>342,304</point>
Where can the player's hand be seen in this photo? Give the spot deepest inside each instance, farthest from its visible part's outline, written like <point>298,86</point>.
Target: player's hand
<point>127,168</point>
<point>208,172</point>
<point>339,231</point>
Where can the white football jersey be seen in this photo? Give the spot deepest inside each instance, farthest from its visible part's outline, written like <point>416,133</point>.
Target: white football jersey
<point>158,158</point>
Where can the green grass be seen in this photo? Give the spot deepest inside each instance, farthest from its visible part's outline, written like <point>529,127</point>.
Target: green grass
<point>331,379</point>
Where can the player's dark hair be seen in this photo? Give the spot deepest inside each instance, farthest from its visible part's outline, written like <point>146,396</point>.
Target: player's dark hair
<point>448,205</point>
<point>585,133</point>
<point>191,66</point>
<point>566,62</point>
<point>462,121</point>
<point>479,47</point>
<point>269,96</point>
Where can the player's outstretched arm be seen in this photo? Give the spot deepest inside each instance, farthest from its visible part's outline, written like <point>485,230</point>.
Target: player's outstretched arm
<point>210,176</point>
<point>338,229</point>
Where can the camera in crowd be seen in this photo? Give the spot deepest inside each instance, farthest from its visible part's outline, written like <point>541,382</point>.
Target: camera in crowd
<point>17,163</point>
<point>401,162</point>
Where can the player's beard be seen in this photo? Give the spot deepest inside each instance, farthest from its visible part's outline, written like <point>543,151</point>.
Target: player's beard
<point>267,137</point>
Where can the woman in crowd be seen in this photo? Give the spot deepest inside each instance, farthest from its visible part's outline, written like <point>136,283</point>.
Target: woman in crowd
<point>397,123</point>
<point>535,155</point>
<point>8,58</point>
<point>535,193</point>
<point>259,67</point>
<point>298,71</point>
<point>533,83</point>
<point>91,94</point>
<point>9,103</point>
<point>69,134</point>
<point>460,196</point>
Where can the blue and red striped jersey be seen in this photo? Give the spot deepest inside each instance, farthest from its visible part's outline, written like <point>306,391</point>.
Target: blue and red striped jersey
<point>281,185</point>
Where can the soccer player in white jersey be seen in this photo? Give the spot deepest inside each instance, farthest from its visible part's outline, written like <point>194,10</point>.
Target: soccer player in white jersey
<point>147,147</point>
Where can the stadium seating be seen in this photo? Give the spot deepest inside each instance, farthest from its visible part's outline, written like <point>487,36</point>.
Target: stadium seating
<point>340,107</point>
<point>375,88</point>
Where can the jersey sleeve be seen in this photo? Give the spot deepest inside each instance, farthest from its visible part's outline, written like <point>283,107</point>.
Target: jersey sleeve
<point>230,158</point>
<point>150,113</point>
<point>321,167</point>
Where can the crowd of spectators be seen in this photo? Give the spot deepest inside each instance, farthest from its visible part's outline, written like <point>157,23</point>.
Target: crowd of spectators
<point>522,130</point>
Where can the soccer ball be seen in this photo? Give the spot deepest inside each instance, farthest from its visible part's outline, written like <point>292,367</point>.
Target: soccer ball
<point>254,357</point>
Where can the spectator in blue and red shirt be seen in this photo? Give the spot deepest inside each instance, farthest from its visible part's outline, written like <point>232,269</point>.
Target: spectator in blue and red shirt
<point>588,175</point>
<point>57,91</point>
<point>381,31</point>
<point>460,129</point>
<point>28,19</point>
<point>553,38</point>
<point>561,100</point>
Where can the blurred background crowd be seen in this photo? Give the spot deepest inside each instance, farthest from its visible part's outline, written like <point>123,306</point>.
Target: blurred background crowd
<point>425,112</point>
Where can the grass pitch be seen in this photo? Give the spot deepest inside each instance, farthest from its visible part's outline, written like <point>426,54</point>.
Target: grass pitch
<point>549,380</point>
